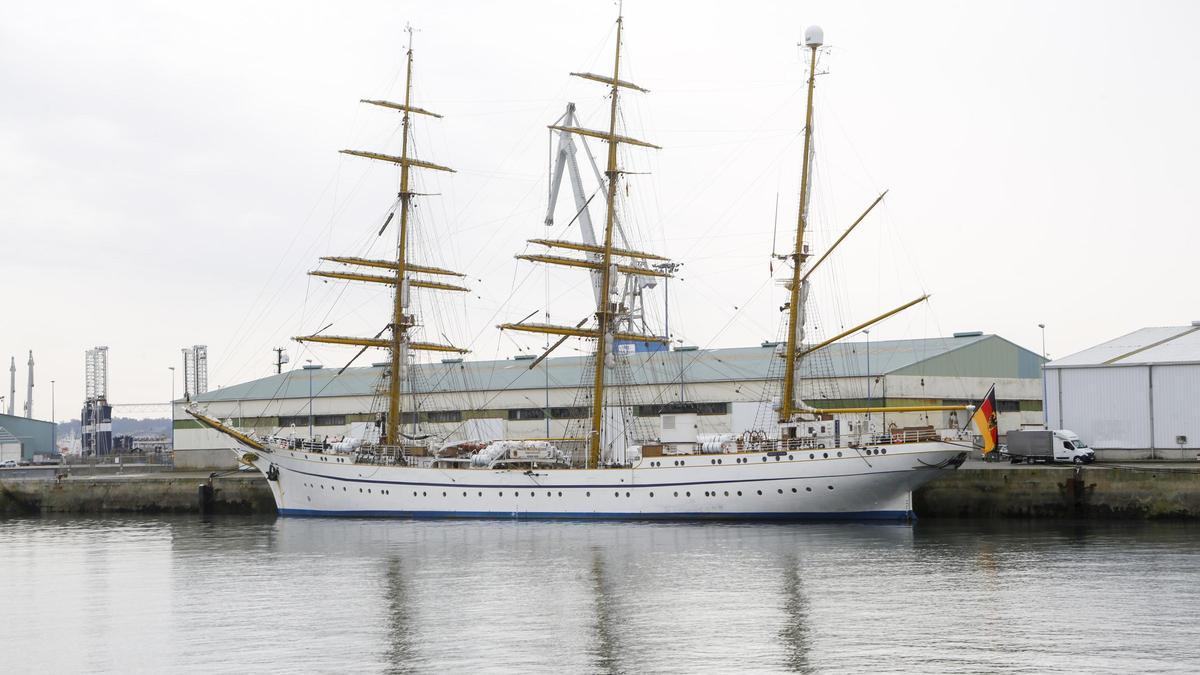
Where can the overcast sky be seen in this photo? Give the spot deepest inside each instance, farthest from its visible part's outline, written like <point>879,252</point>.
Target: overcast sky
<point>168,171</point>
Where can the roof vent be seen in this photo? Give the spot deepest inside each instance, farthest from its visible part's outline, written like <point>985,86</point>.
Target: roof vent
<point>969,333</point>
<point>686,348</point>
<point>521,357</point>
<point>768,343</point>
<point>312,366</point>
<point>451,360</point>
<point>381,364</point>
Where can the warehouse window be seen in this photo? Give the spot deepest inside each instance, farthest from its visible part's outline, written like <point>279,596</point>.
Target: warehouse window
<point>445,416</point>
<point>574,413</point>
<point>296,420</point>
<point>527,414</point>
<point>677,408</point>
<point>330,420</point>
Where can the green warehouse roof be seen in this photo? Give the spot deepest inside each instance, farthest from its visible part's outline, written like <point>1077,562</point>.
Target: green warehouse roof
<point>971,354</point>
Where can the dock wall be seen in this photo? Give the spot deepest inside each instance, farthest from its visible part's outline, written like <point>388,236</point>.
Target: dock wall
<point>162,493</point>
<point>1097,491</point>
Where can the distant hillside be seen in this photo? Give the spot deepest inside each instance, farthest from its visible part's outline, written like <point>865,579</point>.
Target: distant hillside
<point>123,425</point>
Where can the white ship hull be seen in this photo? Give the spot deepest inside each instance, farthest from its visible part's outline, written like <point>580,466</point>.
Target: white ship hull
<point>874,483</point>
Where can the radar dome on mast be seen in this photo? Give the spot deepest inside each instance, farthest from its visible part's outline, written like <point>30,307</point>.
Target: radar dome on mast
<point>814,36</point>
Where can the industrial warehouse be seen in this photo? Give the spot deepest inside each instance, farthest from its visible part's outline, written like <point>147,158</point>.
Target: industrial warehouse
<point>728,389</point>
<point>1133,397</point>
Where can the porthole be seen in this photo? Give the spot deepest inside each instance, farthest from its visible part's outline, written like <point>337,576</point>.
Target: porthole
<point>830,487</point>
<point>777,458</point>
<point>759,492</point>
<point>883,450</point>
<point>712,461</point>
<point>443,494</point>
<point>808,489</point>
<point>764,458</point>
<point>688,494</point>
<point>727,493</point>
<point>589,494</point>
<point>718,461</point>
<point>414,493</point>
<point>464,493</point>
<point>706,493</point>
<point>790,458</point>
<point>793,490</point>
<point>626,494</point>
<point>549,494</point>
<point>780,490</point>
<point>368,490</point>
<point>559,494</point>
<point>424,494</point>
<point>839,453</point>
<point>739,493</point>
<point>501,493</point>
<point>676,494</point>
<point>811,456</point>
<point>825,455</point>
<point>531,494</point>
<point>616,494</point>
<point>481,493</point>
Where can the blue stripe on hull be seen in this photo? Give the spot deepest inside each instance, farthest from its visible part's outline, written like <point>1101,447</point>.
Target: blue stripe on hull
<point>554,515</point>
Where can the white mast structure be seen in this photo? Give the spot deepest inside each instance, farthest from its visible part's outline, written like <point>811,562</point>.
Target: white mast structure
<point>565,159</point>
<point>29,389</point>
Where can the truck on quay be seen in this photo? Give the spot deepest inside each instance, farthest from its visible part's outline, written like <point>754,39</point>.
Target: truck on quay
<point>1047,445</point>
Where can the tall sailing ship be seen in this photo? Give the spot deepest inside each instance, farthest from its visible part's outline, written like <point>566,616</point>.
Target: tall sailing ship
<point>788,471</point>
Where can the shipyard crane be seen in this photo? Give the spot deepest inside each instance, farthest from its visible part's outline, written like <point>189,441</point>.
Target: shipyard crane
<point>29,389</point>
<point>565,161</point>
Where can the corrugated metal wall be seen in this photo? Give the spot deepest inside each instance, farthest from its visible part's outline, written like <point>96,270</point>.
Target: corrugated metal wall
<point>1176,405</point>
<point>1109,407</point>
<point>1052,378</point>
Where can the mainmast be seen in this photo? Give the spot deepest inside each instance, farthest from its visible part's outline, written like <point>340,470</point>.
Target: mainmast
<point>400,342</point>
<point>813,37</point>
<point>608,311</point>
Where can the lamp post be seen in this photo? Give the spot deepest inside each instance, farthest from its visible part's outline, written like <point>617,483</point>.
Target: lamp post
<point>869,378</point>
<point>1045,389</point>
<point>310,368</point>
<point>172,369</point>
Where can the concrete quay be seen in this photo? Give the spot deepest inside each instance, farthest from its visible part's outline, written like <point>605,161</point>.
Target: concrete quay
<point>149,492</point>
<point>976,490</point>
<point>1160,490</point>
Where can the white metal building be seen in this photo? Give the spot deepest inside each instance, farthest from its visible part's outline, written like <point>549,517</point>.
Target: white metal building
<point>1135,397</point>
<point>730,389</point>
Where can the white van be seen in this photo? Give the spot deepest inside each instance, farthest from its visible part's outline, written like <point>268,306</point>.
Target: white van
<point>1059,445</point>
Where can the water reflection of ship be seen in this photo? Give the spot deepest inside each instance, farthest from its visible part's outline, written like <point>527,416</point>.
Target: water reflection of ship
<point>400,623</point>
<point>795,631</point>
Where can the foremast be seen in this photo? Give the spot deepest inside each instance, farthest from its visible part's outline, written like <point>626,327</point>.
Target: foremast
<point>608,309</point>
<point>402,321</point>
<point>795,317</point>
<point>790,405</point>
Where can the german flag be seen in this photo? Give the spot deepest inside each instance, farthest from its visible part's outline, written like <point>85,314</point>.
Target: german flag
<point>985,420</point>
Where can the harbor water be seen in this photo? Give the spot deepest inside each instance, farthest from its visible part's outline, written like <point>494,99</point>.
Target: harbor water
<point>243,594</point>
